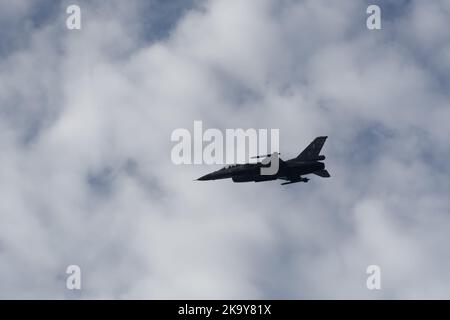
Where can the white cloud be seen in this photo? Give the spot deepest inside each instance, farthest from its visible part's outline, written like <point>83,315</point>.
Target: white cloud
<point>87,178</point>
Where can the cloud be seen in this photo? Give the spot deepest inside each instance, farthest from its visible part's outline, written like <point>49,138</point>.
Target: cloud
<point>85,137</point>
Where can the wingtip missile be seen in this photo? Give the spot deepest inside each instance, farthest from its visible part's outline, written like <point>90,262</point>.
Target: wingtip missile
<point>264,156</point>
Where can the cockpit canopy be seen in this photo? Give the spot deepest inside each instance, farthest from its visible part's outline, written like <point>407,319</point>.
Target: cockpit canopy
<point>230,166</point>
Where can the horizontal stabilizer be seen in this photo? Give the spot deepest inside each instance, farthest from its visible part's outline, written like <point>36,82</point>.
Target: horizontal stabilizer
<point>322,173</point>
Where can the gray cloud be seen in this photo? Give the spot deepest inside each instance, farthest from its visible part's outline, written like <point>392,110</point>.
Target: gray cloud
<point>86,118</point>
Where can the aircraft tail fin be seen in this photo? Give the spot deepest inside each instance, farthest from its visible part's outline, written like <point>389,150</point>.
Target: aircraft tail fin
<point>312,151</point>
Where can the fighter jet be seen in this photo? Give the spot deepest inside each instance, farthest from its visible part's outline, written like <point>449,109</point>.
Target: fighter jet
<point>307,162</point>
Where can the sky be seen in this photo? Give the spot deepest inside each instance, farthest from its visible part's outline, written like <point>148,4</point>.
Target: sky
<point>87,178</point>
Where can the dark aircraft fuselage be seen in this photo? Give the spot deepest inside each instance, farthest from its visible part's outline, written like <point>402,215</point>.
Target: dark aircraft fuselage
<point>252,171</point>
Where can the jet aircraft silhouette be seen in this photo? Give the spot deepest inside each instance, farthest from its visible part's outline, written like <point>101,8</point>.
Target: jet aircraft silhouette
<point>307,162</point>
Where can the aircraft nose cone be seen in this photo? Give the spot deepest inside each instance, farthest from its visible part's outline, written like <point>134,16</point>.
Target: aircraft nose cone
<point>205,177</point>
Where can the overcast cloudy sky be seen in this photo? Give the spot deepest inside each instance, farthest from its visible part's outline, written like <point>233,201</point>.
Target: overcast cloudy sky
<point>86,176</point>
